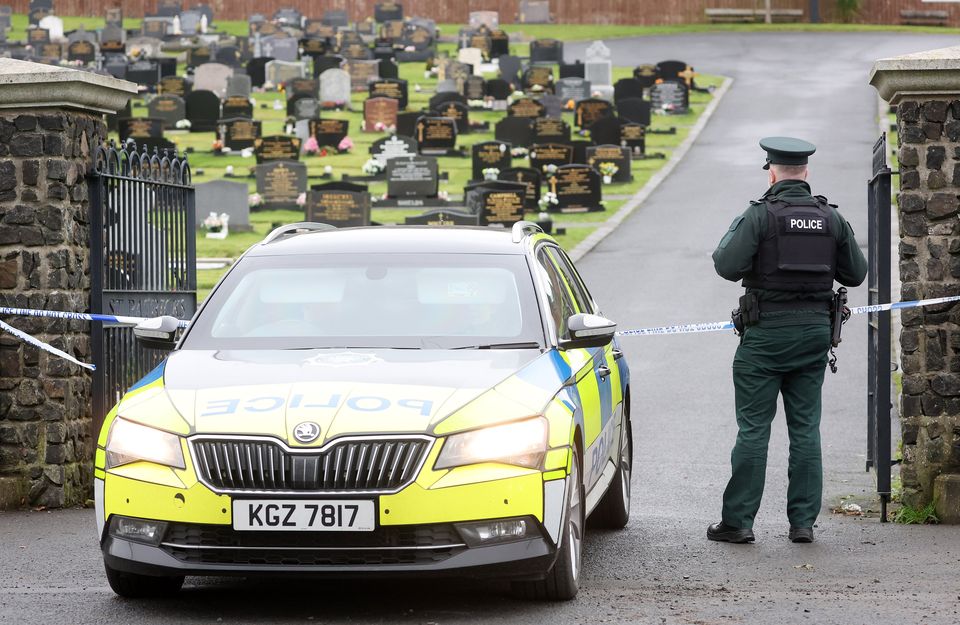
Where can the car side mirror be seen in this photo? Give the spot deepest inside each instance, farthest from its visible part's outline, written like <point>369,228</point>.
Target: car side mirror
<point>157,332</point>
<point>588,331</point>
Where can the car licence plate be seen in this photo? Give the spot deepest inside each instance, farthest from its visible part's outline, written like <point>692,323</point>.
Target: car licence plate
<point>328,515</point>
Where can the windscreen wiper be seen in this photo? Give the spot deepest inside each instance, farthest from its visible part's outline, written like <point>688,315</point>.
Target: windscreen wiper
<point>526,345</point>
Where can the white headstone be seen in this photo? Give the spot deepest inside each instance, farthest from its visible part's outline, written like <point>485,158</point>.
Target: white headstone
<point>281,71</point>
<point>598,69</point>
<point>55,25</point>
<point>335,86</point>
<point>471,56</point>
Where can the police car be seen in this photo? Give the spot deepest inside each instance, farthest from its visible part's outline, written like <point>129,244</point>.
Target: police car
<point>390,400</point>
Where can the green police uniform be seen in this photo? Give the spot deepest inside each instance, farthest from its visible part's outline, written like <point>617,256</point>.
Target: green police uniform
<point>785,353</point>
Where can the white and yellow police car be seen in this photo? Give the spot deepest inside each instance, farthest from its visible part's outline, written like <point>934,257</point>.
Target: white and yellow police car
<point>389,400</point>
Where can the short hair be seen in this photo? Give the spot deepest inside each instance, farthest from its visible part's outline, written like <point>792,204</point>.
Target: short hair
<point>789,172</point>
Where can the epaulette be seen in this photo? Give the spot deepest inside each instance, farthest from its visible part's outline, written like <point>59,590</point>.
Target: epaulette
<point>824,200</point>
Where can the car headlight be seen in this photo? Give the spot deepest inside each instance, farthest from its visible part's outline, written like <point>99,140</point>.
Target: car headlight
<point>129,442</point>
<point>522,443</point>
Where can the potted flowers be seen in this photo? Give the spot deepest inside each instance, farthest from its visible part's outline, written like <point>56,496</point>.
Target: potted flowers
<point>608,171</point>
<point>254,200</point>
<point>216,225</point>
<point>345,145</point>
<point>490,173</point>
<point>372,167</point>
<point>548,200</point>
<point>311,147</point>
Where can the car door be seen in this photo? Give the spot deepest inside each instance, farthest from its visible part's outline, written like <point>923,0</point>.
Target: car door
<point>605,421</point>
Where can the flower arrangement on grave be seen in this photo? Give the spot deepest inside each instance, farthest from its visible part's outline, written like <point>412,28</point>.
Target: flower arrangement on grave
<point>254,200</point>
<point>372,167</point>
<point>345,145</point>
<point>183,124</point>
<point>608,171</point>
<point>277,105</point>
<point>570,105</point>
<point>228,171</point>
<point>549,168</point>
<point>490,173</point>
<point>410,49</point>
<point>302,200</point>
<point>268,86</point>
<point>217,147</point>
<point>311,147</point>
<point>246,152</point>
<point>328,170</point>
<point>443,195</point>
<point>519,152</point>
<point>214,222</point>
<point>547,200</point>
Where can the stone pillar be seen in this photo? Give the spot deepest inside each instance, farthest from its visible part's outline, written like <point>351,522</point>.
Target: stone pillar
<point>51,120</point>
<point>926,89</point>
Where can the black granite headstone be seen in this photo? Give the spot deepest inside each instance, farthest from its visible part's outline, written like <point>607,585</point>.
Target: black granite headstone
<point>412,177</point>
<point>329,132</point>
<point>515,130</point>
<point>435,134</point>
<point>590,110</point>
<point>550,130</point>
<point>490,155</point>
<point>203,110</point>
<point>544,155</point>
<point>240,133</point>
<point>529,177</point>
<point>276,148</point>
<point>577,188</point>
<point>340,204</point>
<point>389,88</point>
<point>619,156</point>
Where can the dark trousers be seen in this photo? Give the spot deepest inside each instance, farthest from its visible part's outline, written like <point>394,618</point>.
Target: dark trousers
<point>772,361</point>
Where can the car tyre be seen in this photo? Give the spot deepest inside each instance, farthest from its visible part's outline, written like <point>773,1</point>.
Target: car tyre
<point>613,511</point>
<point>563,579</point>
<point>134,586</point>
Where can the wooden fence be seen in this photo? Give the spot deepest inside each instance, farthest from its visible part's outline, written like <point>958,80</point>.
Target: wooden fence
<point>565,11</point>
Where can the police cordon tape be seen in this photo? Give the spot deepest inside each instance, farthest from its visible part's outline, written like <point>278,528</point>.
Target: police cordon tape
<point>689,328</point>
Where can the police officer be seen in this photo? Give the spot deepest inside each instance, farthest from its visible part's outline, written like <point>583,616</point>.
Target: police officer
<point>788,248</point>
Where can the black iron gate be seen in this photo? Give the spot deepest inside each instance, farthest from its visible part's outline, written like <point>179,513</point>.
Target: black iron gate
<point>878,330</point>
<point>142,258</point>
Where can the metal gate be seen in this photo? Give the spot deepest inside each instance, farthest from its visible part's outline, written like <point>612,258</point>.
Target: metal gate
<point>878,329</point>
<point>142,258</point>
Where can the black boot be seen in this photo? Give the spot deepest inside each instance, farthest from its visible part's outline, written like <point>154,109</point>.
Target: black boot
<point>721,532</point>
<point>801,534</point>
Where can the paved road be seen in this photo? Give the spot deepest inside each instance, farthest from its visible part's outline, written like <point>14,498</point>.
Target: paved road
<point>655,269</point>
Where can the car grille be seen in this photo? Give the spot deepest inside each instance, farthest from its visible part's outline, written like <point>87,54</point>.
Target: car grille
<point>216,544</point>
<point>356,465</point>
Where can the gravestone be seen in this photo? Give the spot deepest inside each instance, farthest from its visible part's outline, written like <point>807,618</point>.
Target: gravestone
<point>546,51</point>
<point>475,88</point>
<point>54,25</point>
<point>279,72</point>
<point>627,88</point>
<point>635,110</point>
<point>116,66</point>
<point>490,19</point>
<point>605,130</point>
<point>550,130</point>
<point>224,196</point>
<point>380,112</point>
<point>393,147</point>
<point>362,73</point>
<point>487,155</point>
<point>412,178</point>
<point>577,188</point>
<point>139,128</point>
<point>303,86</point>
<point>672,70</point>
<point>646,75</point>
<point>50,51</point>
<point>156,28</point>
<point>199,55</point>
<point>306,108</point>
<point>173,85</point>
<point>670,97</point>
<point>203,110</point>
<point>323,63</point>
<point>169,108</point>
<point>356,51</point>
<point>407,122</point>
<point>543,155</point>
<point>443,217</point>
<point>552,105</point>
<point>458,112</point>
<point>276,148</point>
<point>526,107</point>
<point>574,89</point>
<point>439,99</point>
<point>337,18</point>
<point>590,110</point>
<point>499,90</point>
<point>510,67</point>
<point>38,36</point>
<point>534,12</point>
<point>288,17</point>
<point>285,49</point>
<point>499,44</point>
<point>329,132</point>
<point>435,135</point>
<point>239,85</point>
<point>388,69</point>
<point>580,150</point>
<point>572,70</point>
<point>616,154</point>
<point>149,47</point>
<point>82,51</point>
<point>237,106</point>
<point>634,136</point>
<point>113,40</point>
<point>113,16</point>
<point>231,56</point>
<point>472,57</point>
<point>257,70</point>
<point>529,177</point>
<point>515,130</point>
<point>496,201</point>
<point>538,78</point>
<point>388,12</point>
<point>599,69</point>
<point>314,47</point>
<point>240,133</point>
<point>447,85</point>
<point>212,77</point>
<point>416,43</point>
<point>390,88</point>
<point>340,204</point>
<point>169,8</point>
<point>280,183</point>
<point>81,34</point>
<point>190,22</point>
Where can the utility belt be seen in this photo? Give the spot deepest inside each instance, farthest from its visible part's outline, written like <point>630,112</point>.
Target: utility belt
<point>750,309</point>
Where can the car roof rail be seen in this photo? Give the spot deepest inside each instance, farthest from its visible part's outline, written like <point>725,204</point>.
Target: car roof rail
<point>523,228</point>
<point>301,227</point>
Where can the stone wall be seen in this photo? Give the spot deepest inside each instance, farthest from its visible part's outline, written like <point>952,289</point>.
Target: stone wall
<point>929,153</point>
<point>46,443</point>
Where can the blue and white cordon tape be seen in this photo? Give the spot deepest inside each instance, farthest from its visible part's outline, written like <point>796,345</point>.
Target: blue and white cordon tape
<point>689,328</point>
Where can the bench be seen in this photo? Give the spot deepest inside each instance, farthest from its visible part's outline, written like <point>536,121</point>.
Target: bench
<point>753,15</point>
<point>924,18</point>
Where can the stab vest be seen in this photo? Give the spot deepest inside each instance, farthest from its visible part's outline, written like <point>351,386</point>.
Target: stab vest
<point>798,252</point>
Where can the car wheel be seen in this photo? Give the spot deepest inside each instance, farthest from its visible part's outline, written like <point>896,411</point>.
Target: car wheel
<point>133,586</point>
<point>613,511</point>
<point>563,579</point>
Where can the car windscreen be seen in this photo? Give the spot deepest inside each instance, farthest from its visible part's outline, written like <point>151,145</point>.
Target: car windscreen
<point>428,301</point>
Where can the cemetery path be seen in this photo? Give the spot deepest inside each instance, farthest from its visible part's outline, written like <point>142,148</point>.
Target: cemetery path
<point>654,269</point>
